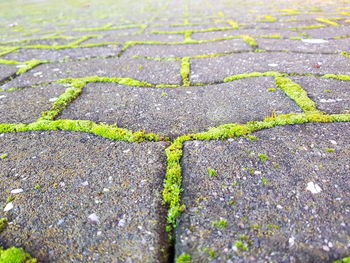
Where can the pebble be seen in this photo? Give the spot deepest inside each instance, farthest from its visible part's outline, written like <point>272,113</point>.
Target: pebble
<point>16,191</point>
<point>8,207</point>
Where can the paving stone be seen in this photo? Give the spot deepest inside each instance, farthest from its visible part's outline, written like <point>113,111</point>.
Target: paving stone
<point>98,200</point>
<point>292,208</point>
<point>331,96</point>
<point>139,37</point>
<point>155,72</point>
<point>328,32</point>
<point>239,32</point>
<point>64,54</point>
<point>216,69</point>
<point>331,46</point>
<point>6,71</point>
<point>187,28</point>
<point>31,41</point>
<point>190,50</point>
<point>179,111</point>
<point>26,105</point>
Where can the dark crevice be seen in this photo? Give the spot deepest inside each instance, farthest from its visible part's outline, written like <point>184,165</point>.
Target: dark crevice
<point>8,79</point>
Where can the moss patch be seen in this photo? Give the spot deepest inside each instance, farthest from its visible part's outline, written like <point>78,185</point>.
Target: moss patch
<point>15,255</point>
<point>185,71</point>
<point>184,258</point>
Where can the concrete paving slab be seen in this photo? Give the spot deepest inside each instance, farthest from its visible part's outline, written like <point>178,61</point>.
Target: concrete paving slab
<point>84,199</point>
<point>330,96</point>
<point>175,112</point>
<point>6,71</point>
<point>283,198</point>
<point>190,50</point>
<point>216,69</point>
<point>26,105</point>
<point>63,54</point>
<point>154,72</point>
<point>329,46</point>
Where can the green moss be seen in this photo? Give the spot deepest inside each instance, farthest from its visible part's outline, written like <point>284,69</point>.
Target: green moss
<point>272,226</point>
<point>9,62</point>
<point>295,38</point>
<point>38,187</point>
<point>185,71</point>
<point>327,21</point>
<point>80,40</point>
<point>344,260</point>
<point>296,93</point>
<point>29,65</point>
<point>345,54</point>
<point>267,19</point>
<point>240,246</point>
<point>15,255</point>
<point>222,224</point>
<point>271,89</point>
<point>252,75</point>
<point>106,131</point>
<point>250,41</point>
<point>263,157</point>
<point>4,156</point>
<point>212,254</point>
<point>96,79</point>
<point>338,77</point>
<point>212,172</point>
<point>309,27</point>
<point>3,224</point>
<point>271,37</point>
<point>184,258</point>
<point>187,36</point>
<point>107,27</point>
<point>289,12</point>
<point>63,101</point>
<point>264,181</point>
<point>330,150</point>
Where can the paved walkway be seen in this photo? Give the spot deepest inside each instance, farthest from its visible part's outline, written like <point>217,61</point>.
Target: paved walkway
<point>155,131</point>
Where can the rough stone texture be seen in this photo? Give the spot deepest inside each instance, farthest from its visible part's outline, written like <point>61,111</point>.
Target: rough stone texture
<point>239,32</point>
<point>26,105</point>
<point>331,96</point>
<point>216,69</point>
<point>139,37</point>
<point>154,72</point>
<point>328,32</point>
<point>6,71</point>
<point>190,50</point>
<point>132,220</point>
<point>279,221</point>
<point>332,46</point>
<point>64,54</point>
<point>175,112</point>
<point>80,175</point>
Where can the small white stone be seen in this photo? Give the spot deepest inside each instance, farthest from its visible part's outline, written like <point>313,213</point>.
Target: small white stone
<point>94,218</point>
<point>291,241</point>
<point>37,74</point>
<point>279,206</point>
<point>16,191</point>
<point>314,41</point>
<point>313,188</point>
<point>257,172</point>
<point>86,183</point>
<point>272,65</point>
<point>53,99</point>
<point>105,190</point>
<point>8,207</point>
<point>99,233</point>
<point>121,222</point>
<point>333,142</point>
<point>188,92</point>
<point>2,96</point>
<point>325,248</point>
